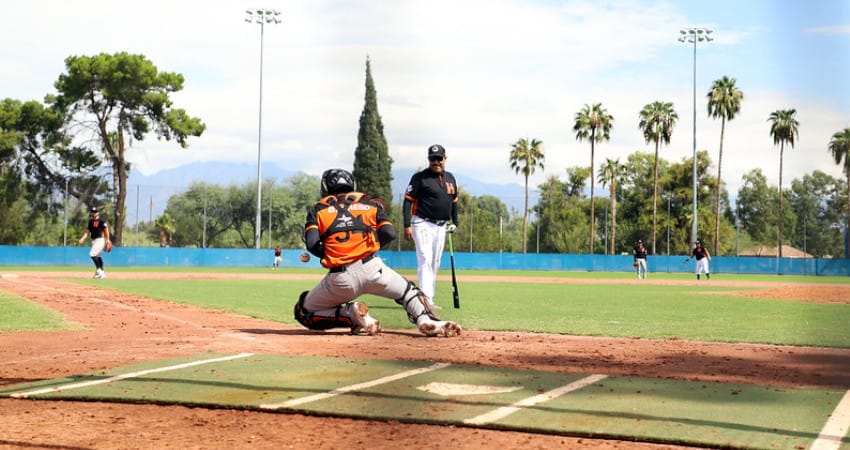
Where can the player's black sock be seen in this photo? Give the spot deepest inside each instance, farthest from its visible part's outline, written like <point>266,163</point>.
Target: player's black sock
<point>708,276</point>
<point>98,262</point>
<point>697,277</point>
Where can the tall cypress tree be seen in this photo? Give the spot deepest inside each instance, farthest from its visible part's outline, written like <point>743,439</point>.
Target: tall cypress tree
<point>372,161</point>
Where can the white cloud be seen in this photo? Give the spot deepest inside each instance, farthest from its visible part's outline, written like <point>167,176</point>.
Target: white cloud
<point>472,75</point>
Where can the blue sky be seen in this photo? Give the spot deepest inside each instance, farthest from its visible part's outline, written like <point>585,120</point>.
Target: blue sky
<point>474,76</point>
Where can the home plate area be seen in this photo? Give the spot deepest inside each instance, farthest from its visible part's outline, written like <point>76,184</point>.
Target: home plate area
<point>592,405</point>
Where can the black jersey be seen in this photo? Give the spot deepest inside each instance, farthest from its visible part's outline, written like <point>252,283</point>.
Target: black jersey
<point>699,253</point>
<point>433,196</point>
<point>640,252</point>
<point>96,227</point>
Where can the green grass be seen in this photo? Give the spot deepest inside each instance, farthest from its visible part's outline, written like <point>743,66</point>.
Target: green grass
<point>646,311</point>
<point>18,314</point>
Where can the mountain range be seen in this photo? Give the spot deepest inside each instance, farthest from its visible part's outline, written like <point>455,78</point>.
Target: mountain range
<point>148,194</point>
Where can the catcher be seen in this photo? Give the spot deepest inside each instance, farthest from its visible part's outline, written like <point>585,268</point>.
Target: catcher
<point>639,263</point>
<point>98,229</point>
<point>345,230</point>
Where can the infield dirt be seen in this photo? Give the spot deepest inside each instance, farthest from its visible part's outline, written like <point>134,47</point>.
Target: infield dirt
<point>121,329</point>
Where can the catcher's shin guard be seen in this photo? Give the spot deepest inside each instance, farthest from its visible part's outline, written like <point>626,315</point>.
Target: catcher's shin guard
<point>415,303</point>
<point>322,320</point>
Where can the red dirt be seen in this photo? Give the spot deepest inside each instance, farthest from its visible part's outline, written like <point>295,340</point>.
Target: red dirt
<point>121,329</point>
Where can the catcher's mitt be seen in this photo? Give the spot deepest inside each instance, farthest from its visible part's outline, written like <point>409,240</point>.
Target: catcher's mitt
<point>635,265</point>
<point>305,257</point>
<point>108,247</point>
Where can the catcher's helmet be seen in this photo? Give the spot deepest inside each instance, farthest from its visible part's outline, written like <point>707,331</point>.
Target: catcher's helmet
<point>337,181</point>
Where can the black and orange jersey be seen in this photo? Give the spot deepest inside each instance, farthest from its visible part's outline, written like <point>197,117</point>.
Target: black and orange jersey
<point>699,252</point>
<point>640,252</point>
<point>96,227</point>
<point>348,226</point>
<point>432,196</point>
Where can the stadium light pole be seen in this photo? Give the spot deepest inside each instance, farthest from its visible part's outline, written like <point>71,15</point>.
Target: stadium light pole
<point>262,17</point>
<point>693,36</point>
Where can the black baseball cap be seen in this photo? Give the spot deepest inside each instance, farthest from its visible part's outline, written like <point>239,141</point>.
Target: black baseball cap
<point>93,210</point>
<point>436,151</point>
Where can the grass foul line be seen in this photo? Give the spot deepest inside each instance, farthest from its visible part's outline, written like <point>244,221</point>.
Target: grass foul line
<point>501,413</point>
<point>835,428</point>
<point>354,387</point>
<point>127,375</point>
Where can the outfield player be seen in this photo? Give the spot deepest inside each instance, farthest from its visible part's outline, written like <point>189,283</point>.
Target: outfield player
<point>702,256</point>
<point>430,211</point>
<point>345,230</point>
<point>98,229</point>
<point>277,257</point>
<point>640,259</point>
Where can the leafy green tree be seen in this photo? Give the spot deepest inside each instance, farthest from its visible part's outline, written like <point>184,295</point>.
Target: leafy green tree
<point>126,95</point>
<point>724,101</point>
<point>372,161</point>
<point>611,173</point>
<point>839,146</point>
<point>657,120</point>
<point>488,211</point>
<point>576,181</point>
<point>561,218</point>
<point>164,228</point>
<point>816,204</point>
<point>594,124</point>
<point>526,156</point>
<point>37,162</point>
<point>784,128</point>
<point>756,207</point>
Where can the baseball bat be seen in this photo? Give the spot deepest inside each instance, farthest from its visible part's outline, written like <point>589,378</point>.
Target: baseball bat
<point>455,295</point>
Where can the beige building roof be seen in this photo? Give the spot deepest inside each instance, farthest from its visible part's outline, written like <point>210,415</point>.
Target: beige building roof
<point>770,252</point>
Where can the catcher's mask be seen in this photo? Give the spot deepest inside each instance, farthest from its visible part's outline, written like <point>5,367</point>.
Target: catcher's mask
<point>337,181</point>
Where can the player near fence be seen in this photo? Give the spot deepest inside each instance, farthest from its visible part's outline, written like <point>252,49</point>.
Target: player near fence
<point>430,211</point>
<point>639,264</point>
<point>277,257</point>
<point>702,257</point>
<point>98,230</point>
<point>345,230</point>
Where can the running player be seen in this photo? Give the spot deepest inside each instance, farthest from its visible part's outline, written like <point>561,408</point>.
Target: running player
<point>98,229</point>
<point>430,211</point>
<point>702,256</point>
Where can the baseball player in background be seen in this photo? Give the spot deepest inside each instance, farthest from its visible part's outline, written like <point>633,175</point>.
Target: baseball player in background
<point>345,230</point>
<point>277,257</point>
<point>640,259</point>
<point>430,211</point>
<point>98,229</point>
<point>702,256</point>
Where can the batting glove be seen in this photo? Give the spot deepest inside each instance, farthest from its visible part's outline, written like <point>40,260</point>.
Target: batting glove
<point>450,228</point>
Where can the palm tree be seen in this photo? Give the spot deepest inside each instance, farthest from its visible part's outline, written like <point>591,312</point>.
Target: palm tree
<point>525,158</point>
<point>839,145</point>
<point>724,101</point>
<point>784,128</point>
<point>657,120</point>
<point>594,124</point>
<point>610,173</point>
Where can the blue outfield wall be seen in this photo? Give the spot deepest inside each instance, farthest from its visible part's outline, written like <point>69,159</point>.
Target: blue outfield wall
<point>219,257</point>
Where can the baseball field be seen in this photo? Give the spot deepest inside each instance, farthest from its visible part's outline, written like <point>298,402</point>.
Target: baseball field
<point>213,359</point>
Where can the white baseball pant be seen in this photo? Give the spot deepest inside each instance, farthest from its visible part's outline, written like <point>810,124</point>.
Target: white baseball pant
<point>430,239</point>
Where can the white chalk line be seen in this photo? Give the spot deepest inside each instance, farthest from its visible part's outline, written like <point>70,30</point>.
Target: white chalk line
<point>354,387</point>
<point>501,413</point>
<point>125,376</point>
<point>835,428</point>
